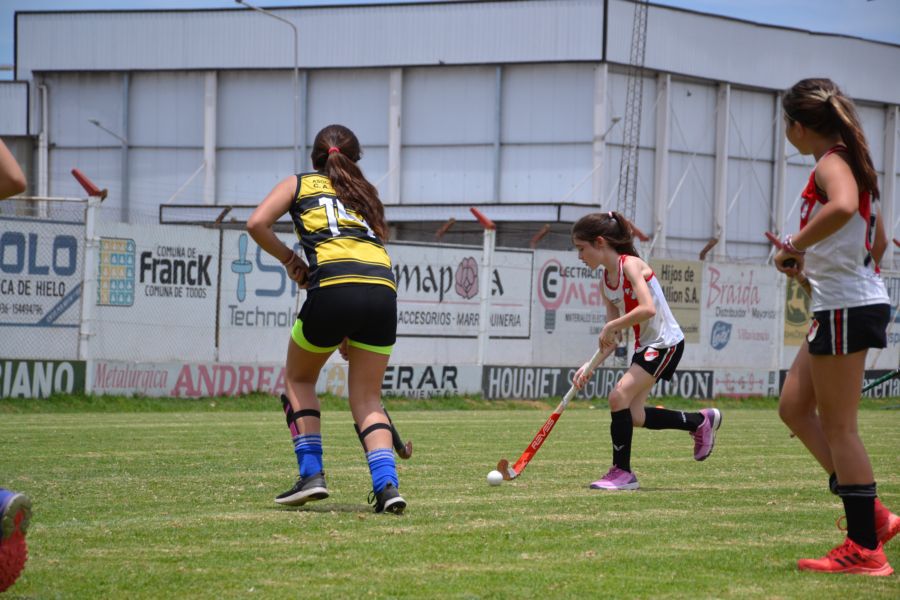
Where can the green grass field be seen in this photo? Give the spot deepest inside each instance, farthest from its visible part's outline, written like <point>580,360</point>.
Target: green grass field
<point>179,504</point>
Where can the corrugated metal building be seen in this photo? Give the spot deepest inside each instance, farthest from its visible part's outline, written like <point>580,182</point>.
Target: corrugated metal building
<point>513,106</point>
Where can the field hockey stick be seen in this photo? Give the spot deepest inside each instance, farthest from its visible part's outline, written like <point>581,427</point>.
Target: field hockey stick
<point>511,472</point>
<point>880,380</point>
<point>404,450</point>
<point>790,262</point>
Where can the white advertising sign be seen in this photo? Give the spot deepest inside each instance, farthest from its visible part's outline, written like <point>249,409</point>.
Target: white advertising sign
<point>438,291</point>
<point>258,304</point>
<point>568,309</point>
<point>156,293</point>
<point>195,380</point>
<point>738,326</point>
<point>40,288</point>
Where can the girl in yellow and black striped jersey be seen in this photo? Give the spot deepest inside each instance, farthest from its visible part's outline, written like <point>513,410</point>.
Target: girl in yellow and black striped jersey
<point>351,303</point>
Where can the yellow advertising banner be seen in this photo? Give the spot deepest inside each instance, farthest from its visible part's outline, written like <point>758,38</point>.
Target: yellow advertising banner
<point>681,282</point>
<point>796,314</point>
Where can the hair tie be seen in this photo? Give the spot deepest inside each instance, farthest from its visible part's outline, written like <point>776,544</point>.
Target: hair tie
<point>334,149</point>
<point>611,216</point>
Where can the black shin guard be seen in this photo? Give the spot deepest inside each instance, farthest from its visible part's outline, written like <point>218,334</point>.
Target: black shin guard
<point>291,416</point>
<point>404,450</point>
<point>375,427</point>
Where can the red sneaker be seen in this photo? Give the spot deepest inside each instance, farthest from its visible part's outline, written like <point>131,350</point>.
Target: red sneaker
<point>15,513</point>
<point>887,524</point>
<point>850,557</point>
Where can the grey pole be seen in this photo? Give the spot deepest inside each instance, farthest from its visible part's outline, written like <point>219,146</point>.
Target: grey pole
<point>296,74</point>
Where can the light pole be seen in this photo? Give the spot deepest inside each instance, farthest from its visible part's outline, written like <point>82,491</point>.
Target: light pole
<point>125,199</point>
<point>296,74</point>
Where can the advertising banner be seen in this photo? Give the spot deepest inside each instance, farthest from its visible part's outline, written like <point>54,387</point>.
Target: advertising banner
<point>194,380</point>
<point>40,378</point>
<point>797,314</point>
<point>738,327</point>
<point>501,382</point>
<point>41,272</point>
<point>156,293</point>
<point>745,383</point>
<point>438,291</point>
<point>258,304</point>
<point>888,389</point>
<point>682,285</point>
<point>568,309</point>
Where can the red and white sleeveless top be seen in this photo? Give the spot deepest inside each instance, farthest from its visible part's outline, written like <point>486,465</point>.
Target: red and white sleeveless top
<point>840,268</point>
<point>660,331</point>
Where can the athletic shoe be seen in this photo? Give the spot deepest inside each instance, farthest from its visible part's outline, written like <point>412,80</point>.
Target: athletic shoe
<point>887,524</point>
<point>616,479</point>
<point>850,557</point>
<point>306,489</point>
<point>15,514</point>
<point>388,500</point>
<point>705,436</point>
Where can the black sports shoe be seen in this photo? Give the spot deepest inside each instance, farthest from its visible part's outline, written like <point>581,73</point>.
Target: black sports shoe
<point>306,489</point>
<point>388,500</point>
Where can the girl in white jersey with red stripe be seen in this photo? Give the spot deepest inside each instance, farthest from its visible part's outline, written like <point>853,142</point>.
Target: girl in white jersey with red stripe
<point>840,242</point>
<point>633,298</point>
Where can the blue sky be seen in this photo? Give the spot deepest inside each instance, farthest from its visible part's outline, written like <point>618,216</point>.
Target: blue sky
<point>871,19</point>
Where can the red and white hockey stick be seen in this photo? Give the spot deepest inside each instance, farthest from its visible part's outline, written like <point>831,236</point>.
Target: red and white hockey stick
<point>511,472</point>
<point>804,282</point>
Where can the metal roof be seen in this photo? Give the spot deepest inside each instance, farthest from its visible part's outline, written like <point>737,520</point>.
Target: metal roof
<point>478,32</point>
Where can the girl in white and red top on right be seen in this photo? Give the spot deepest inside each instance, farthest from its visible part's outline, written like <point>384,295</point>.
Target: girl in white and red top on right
<point>838,247</point>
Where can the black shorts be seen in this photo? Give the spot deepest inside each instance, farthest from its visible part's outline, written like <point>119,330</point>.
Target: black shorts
<point>364,313</point>
<point>659,362</point>
<point>847,330</point>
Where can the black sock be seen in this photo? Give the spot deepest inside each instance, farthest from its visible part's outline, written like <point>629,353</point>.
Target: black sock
<point>661,418</point>
<point>833,484</point>
<point>621,429</point>
<point>859,506</point>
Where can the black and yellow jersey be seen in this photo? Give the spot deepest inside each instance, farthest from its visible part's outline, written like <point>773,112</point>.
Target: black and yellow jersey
<point>340,246</point>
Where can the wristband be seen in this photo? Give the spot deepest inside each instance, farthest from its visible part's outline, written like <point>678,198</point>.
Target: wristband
<point>290,258</point>
<point>789,247</point>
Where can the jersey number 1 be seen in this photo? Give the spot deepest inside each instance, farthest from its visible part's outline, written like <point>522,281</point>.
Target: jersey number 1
<point>335,212</point>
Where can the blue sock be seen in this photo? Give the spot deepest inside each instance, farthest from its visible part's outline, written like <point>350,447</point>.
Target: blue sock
<point>309,453</point>
<point>383,468</point>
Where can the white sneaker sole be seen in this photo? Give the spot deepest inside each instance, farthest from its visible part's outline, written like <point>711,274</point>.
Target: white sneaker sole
<point>301,498</point>
<point>619,488</point>
<point>395,505</point>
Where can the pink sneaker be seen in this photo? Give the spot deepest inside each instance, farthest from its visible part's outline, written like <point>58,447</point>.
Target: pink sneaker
<point>616,479</point>
<point>705,436</point>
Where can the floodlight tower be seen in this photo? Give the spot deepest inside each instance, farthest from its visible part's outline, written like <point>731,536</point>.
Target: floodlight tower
<point>634,95</point>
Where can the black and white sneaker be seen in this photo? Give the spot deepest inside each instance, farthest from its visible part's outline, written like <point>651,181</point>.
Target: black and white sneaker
<point>306,489</point>
<point>388,500</point>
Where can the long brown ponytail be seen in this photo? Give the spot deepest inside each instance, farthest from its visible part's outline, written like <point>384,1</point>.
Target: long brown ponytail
<point>335,153</point>
<point>820,105</point>
<point>611,226</point>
